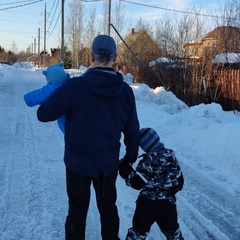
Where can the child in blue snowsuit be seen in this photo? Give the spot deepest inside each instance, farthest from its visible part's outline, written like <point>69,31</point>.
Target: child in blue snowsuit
<point>159,177</point>
<point>56,77</point>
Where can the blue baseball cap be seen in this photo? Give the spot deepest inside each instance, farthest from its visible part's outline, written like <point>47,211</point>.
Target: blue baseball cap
<point>104,42</point>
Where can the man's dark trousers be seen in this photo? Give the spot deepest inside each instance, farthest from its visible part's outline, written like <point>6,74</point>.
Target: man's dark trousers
<point>78,190</point>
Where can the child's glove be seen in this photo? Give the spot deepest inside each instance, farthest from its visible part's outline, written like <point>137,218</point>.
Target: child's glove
<point>179,187</point>
<point>124,168</point>
<point>136,181</point>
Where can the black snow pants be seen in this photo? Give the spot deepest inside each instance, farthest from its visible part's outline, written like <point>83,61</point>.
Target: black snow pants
<point>78,190</point>
<point>148,211</point>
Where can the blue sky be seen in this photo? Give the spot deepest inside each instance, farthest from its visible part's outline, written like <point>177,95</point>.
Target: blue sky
<point>21,24</point>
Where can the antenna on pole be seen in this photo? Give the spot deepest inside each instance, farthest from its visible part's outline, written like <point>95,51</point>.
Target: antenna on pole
<point>62,42</point>
<point>109,17</point>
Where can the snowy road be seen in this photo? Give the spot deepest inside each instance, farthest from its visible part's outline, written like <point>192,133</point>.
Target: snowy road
<point>33,202</point>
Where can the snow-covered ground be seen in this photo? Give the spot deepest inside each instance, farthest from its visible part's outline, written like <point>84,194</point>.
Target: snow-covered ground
<point>33,200</point>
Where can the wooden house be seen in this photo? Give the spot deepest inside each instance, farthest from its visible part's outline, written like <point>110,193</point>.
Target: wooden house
<point>55,52</point>
<point>138,48</point>
<point>221,40</point>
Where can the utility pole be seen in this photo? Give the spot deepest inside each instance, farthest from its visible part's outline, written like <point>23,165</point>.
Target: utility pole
<point>34,44</point>
<point>39,46</point>
<point>44,51</point>
<point>109,17</point>
<point>62,42</point>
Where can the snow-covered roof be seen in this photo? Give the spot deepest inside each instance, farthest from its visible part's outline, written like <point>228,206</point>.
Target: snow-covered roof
<point>226,58</point>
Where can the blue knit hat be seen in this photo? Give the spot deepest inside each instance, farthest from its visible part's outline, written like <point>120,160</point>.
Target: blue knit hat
<point>104,42</point>
<point>149,140</point>
<point>55,73</point>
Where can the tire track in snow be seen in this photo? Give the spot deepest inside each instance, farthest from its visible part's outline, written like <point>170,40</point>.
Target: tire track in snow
<point>47,183</point>
<point>47,175</point>
<point>207,210</point>
<point>35,198</point>
<point>15,177</point>
<point>6,177</point>
<point>27,186</point>
<point>12,167</point>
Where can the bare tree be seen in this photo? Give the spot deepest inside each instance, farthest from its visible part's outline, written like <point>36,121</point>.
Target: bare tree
<point>229,14</point>
<point>14,47</point>
<point>105,15</point>
<point>172,32</point>
<point>142,25</point>
<point>90,33</point>
<point>74,30</point>
<point>229,25</point>
<point>188,28</point>
<point>118,20</point>
<point>164,34</point>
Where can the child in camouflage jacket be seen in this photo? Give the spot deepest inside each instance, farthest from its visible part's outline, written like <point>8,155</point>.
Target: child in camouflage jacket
<point>159,177</point>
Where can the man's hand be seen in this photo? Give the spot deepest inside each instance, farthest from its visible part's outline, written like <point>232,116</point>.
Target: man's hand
<point>125,168</point>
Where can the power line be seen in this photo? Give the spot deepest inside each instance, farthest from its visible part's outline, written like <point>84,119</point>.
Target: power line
<point>7,20</point>
<point>55,24</point>
<point>25,13</point>
<point>91,0</point>
<point>172,10</point>
<point>14,31</point>
<point>16,2</point>
<point>53,15</point>
<point>1,9</point>
<point>52,9</point>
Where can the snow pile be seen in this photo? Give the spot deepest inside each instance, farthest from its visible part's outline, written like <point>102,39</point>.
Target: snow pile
<point>161,60</point>
<point>33,201</point>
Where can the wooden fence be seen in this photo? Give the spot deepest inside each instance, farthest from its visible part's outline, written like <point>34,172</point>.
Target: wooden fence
<point>192,85</point>
<point>229,82</point>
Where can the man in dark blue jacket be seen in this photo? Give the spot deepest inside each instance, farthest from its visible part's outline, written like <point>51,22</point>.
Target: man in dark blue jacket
<point>99,106</point>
